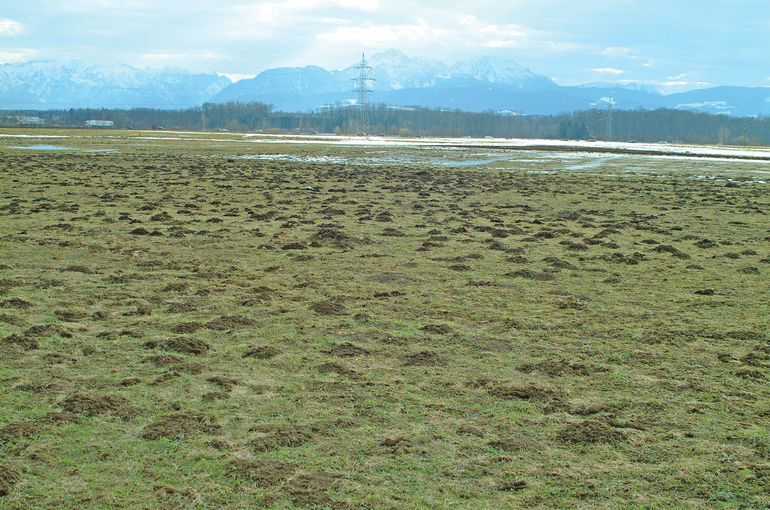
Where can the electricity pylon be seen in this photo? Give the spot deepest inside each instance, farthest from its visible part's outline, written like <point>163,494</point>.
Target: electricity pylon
<point>361,86</point>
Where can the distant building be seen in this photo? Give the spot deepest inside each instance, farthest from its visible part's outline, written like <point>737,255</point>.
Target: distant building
<point>99,123</point>
<point>29,121</point>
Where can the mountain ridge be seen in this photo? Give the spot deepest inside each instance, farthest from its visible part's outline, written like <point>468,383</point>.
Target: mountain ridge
<point>478,84</point>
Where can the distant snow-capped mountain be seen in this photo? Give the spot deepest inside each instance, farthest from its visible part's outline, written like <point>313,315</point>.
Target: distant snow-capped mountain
<point>75,84</point>
<point>392,70</point>
<point>499,72</point>
<point>479,84</point>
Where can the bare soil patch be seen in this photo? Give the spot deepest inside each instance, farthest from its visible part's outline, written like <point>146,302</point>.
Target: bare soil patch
<point>180,425</point>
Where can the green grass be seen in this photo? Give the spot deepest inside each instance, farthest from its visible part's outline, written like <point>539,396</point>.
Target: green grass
<point>438,378</point>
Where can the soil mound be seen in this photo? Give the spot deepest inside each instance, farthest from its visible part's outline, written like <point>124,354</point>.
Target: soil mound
<point>559,263</point>
<point>179,426</point>
<point>392,232</point>
<point>230,322</point>
<point>336,238</point>
<point>262,352</point>
<point>48,330</point>
<point>23,341</point>
<point>184,344</point>
<point>422,358</point>
<point>590,431</point>
<point>667,248</point>
<point>397,445</point>
<point>331,306</point>
<point>226,383</point>
<point>78,269</point>
<point>264,472</point>
<point>187,327</point>
<point>279,438</point>
<point>22,429</point>
<point>312,490</point>
<point>17,303</point>
<point>92,405</point>
<point>532,275</point>
<point>439,329</point>
<point>347,350</point>
<point>8,478</point>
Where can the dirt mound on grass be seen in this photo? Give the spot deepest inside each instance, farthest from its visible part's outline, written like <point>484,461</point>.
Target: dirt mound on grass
<point>179,426</point>
<point>336,238</point>
<point>186,327</point>
<point>70,315</point>
<point>48,330</point>
<point>17,303</point>
<point>22,429</point>
<point>230,322</point>
<point>347,350</point>
<point>397,445</point>
<point>331,306</point>
<point>667,248</point>
<point>590,431</point>
<point>264,472</point>
<point>22,341</point>
<point>262,352</point>
<point>278,438</point>
<point>425,358</point>
<point>226,383</point>
<point>78,269</point>
<point>92,405</point>
<point>8,478</point>
<point>531,275</point>
<point>184,344</point>
<point>439,329</point>
<point>312,490</point>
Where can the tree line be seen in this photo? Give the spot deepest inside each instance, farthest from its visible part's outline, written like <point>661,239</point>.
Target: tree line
<point>619,125</point>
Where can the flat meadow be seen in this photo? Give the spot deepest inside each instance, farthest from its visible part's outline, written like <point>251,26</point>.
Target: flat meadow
<point>194,320</point>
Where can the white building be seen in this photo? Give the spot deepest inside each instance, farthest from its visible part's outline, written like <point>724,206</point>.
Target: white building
<point>29,121</point>
<point>99,123</point>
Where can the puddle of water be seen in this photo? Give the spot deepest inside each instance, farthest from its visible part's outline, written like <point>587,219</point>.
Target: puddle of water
<point>57,148</point>
<point>477,162</point>
<point>289,157</point>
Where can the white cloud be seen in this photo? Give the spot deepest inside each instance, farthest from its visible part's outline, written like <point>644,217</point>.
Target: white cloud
<point>12,57</point>
<point>373,35</point>
<point>608,70</point>
<point>616,51</point>
<point>281,12</point>
<point>498,43</point>
<point>10,27</point>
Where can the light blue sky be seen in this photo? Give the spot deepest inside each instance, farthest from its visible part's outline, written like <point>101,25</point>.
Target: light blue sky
<point>674,45</point>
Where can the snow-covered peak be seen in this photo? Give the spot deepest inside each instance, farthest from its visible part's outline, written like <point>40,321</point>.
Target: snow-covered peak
<point>493,70</point>
<point>74,83</point>
<point>395,70</point>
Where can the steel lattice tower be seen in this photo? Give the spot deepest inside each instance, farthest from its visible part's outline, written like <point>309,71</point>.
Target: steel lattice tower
<point>361,86</point>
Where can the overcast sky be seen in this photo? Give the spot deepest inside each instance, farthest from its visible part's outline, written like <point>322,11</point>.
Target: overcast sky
<point>674,45</point>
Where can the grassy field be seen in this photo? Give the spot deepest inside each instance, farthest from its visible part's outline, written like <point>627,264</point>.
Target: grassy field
<point>184,328</point>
